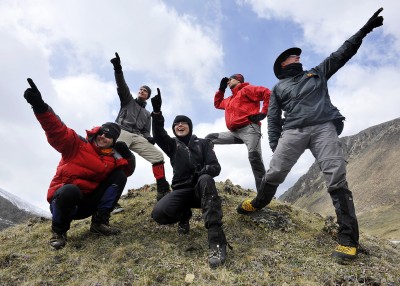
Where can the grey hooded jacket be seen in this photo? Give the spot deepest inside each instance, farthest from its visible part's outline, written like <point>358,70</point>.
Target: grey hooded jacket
<point>304,98</point>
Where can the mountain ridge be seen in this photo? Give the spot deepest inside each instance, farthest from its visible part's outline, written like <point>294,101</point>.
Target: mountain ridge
<point>14,210</point>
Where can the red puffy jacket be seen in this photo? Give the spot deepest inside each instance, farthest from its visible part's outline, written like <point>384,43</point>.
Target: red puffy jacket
<point>244,101</point>
<point>82,163</point>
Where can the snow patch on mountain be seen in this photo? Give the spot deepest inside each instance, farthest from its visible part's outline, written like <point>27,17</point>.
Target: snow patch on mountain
<point>23,205</point>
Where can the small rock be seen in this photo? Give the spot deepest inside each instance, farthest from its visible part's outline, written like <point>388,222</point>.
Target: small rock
<point>189,278</point>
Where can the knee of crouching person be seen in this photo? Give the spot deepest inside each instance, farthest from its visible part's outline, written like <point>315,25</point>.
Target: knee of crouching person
<point>205,178</point>
<point>211,136</point>
<point>157,216</point>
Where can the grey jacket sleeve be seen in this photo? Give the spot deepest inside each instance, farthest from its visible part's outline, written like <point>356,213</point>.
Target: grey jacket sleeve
<point>122,88</point>
<point>340,57</point>
<point>274,120</point>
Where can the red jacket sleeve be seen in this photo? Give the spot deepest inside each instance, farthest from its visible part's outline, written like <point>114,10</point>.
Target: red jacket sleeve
<point>59,136</point>
<point>219,101</point>
<point>265,94</point>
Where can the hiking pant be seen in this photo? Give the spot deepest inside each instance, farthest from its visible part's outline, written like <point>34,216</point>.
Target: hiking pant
<point>69,203</point>
<point>176,206</point>
<point>142,147</point>
<point>250,135</point>
<point>324,144</point>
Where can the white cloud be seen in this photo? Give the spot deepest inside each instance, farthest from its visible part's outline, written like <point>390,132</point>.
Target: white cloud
<point>326,24</point>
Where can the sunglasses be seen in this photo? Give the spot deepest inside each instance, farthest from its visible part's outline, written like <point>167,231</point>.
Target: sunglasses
<point>181,123</point>
<point>292,56</point>
<point>105,133</point>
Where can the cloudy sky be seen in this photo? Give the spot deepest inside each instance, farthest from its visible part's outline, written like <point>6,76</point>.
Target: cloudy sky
<point>184,48</point>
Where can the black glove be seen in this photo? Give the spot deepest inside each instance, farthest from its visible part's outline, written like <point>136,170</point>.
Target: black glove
<point>151,140</point>
<point>255,118</point>
<point>123,149</point>
<point>156,101</point>
<point>116,63</point>
<point>373,22</point>
<point>196,174</point>
<point>34,98</point>
<point>224,84</point>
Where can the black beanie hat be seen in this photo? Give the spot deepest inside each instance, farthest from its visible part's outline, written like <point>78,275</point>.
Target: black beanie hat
<point>111,130</point>
<point>238,77</point>
<point>183,118</point>
<point>148,90</point>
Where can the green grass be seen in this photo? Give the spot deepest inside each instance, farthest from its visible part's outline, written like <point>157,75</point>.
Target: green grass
<point>282,245</point>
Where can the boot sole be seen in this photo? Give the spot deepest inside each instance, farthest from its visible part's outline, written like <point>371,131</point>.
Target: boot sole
<point>102,233</point>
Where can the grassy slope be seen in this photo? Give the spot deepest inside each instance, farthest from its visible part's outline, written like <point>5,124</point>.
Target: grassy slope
<point>282,245</point>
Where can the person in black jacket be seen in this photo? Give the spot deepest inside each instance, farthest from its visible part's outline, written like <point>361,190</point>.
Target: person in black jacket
<point>311,122</point>
<point>194,166</point>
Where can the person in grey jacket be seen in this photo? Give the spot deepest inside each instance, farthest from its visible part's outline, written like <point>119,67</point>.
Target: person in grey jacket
<point>135,122</point>
<point>311,122</point>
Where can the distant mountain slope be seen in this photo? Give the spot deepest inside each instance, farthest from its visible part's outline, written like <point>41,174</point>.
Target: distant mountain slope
<point>14,210</point>
<point>374,178</point>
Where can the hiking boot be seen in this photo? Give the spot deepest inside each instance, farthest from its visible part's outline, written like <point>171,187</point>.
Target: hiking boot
<point>246,207</point>
<point>58,241</point>
<point>345,252</point>
<point>117,209</point>
<point>217,255</point>
<point>183,227</point>
<point>104,229</point>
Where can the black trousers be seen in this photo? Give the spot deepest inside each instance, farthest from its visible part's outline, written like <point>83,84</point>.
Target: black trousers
<point>176,206</point>
<point>69,203</point>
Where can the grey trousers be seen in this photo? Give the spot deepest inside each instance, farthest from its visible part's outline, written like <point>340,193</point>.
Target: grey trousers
<point>324,144</point>
<point>249,135</point>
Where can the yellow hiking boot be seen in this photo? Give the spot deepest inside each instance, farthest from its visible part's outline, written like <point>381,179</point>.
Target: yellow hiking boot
<point>345,252</point>
<point>246,207</point>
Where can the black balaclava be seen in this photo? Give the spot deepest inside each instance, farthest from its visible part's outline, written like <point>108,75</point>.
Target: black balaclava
<point>291,70</point>
<point>183,118</point>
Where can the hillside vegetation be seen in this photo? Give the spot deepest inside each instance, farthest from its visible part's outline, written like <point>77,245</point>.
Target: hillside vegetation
<point>281,245</point>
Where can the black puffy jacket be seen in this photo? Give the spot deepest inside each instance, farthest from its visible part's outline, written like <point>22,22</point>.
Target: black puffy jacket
<point>187,161</point>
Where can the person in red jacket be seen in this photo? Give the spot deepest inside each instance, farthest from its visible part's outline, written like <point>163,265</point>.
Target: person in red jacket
<point>242,117</point>
<point>90,176</point>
